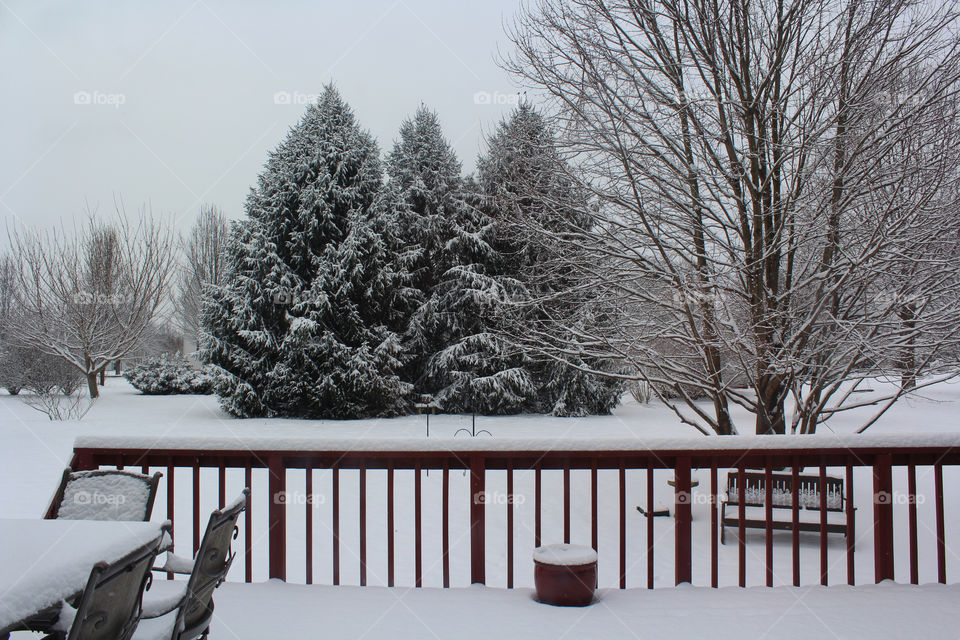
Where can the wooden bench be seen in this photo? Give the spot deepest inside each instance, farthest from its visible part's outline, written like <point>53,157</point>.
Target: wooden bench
<point>782,492</point>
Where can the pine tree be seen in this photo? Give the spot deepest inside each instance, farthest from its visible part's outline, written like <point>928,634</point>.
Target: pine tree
<point>428,211</point>
<point>304,327</point>
<point>523,187</point>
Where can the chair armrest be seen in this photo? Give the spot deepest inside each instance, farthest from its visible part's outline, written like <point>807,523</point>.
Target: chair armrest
<point>163,597</point>
<point>176,564</point>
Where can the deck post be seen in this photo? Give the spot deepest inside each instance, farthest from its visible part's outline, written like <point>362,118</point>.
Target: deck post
<point>278,518</point>
<point>477,519</point>
<point>83,461</point>
<point>682,522</point>
<point>883,517</point>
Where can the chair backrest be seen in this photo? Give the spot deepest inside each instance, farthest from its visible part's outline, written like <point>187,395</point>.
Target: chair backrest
<point>110,605</point>
<point>104,494</point>
<point>212,563</point>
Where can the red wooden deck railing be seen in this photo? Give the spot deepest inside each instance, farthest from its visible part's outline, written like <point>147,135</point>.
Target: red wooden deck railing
<point>881,459</point>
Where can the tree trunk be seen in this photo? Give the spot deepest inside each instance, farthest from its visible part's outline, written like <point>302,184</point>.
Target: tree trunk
<point>771,417</point>
<point>92,385</point>
<point>908,376</point>
<point>103,376</point>
<point>724,424</point>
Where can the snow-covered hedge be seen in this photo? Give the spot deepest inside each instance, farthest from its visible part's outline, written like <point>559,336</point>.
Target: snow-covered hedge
<point>167,375</point>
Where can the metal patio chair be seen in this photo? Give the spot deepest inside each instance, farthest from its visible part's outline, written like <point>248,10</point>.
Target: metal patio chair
<point>110,605</point>
<point>104,494</point>
<point>183,609</point>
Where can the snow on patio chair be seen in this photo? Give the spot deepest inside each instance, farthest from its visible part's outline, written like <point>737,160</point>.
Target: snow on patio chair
<point>104,494</point>
<point>110,605</point>
<point>182,609</point>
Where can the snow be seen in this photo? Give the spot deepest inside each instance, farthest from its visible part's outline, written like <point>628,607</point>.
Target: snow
<point>156,628</point>
<point>688,613</point>
<point>566,555</point>
<point>35,452</point>
<point>45,561</point>
<point>163,596</point>
<point>178,564</point>
<point>314,441</point>
<point>113,496</point>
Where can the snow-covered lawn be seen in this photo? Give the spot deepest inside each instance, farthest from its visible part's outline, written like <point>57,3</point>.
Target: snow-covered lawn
<point>274,609</point>
<point>35,450</point>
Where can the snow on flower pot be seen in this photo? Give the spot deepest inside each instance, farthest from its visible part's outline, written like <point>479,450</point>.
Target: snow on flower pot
<point>565,574</point>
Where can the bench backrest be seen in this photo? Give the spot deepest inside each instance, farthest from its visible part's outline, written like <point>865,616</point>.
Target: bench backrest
<point>809,491</point>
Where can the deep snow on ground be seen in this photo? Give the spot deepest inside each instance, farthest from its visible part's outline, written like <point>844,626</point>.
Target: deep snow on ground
<point>35,450</point>
<point>876,611</point>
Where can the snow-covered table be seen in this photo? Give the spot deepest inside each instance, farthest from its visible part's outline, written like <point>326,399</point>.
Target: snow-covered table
<point>45,561</point>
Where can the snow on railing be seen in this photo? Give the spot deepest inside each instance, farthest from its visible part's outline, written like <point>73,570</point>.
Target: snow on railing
<point>315,442</point>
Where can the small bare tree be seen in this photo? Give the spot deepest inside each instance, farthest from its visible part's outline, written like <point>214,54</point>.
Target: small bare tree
<point>205,264</point>
<point>89,297</point>
<point>776,192</point>
<point>11,356</point>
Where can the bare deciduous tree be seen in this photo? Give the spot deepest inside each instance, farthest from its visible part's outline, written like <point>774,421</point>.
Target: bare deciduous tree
<point>205,264</point>
<point>776,189</point>
<point>11,360</point>
<point>89,296</point>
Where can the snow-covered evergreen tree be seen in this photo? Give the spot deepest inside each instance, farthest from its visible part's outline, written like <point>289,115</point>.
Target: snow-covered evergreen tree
<point>521,187</point>
<point>427,211</point>
<point>304,327</point>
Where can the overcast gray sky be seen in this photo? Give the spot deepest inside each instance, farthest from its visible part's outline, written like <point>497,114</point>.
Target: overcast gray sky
<point>177,102</point>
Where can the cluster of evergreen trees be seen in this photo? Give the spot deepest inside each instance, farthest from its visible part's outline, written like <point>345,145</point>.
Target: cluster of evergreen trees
<point>359,287</point>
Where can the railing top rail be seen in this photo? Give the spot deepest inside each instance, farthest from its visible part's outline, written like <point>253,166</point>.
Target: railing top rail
<point>753,445</point>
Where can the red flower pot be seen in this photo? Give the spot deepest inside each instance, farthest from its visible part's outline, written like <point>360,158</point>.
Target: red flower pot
<point>565,575</point>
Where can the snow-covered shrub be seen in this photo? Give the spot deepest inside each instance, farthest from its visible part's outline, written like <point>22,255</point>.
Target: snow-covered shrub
<point>52,374</point>
<point>27,368</point>
<point>167,375</point>
<point>12,368</point>
<point>640,391</point>
<point>59,406</point>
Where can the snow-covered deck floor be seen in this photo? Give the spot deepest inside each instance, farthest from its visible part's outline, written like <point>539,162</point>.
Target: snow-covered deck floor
<point>275,609</point>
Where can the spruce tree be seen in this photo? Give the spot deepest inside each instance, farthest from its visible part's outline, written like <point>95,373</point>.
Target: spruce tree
<point>304,327</point>
<point>523,186</point>
<point>428,212</point>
